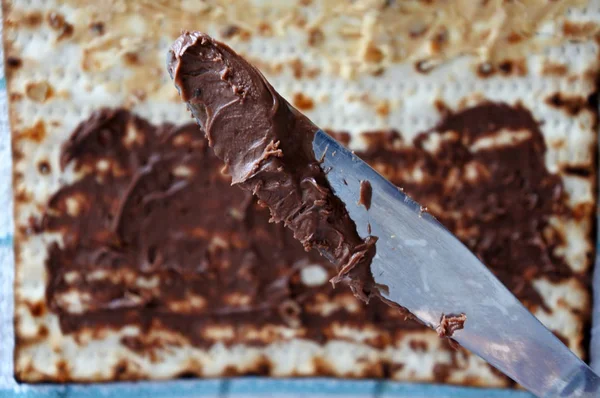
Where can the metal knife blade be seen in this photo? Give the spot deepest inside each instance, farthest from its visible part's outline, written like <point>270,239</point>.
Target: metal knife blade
<point>430,272</point>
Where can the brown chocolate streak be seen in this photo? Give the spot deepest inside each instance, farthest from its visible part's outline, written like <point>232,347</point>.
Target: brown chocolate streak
<point>450,323</point>
<point>366,193</point>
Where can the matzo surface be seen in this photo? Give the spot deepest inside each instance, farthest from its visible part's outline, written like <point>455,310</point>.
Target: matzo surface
<point>67,59</point>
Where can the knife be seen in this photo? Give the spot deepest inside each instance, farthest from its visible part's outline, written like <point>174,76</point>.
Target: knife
<point>430,272</point>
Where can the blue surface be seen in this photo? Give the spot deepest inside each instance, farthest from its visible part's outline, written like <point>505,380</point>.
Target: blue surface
<point>6,240</point>
<point>256,387</point>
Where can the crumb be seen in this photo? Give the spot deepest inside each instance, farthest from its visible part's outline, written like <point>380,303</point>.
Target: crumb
<point>450,323</point>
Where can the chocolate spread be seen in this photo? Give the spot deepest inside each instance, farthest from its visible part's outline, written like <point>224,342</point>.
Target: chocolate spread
<point>366,193</point>
<point>161,219</point>
<point>266,146</point>
<point>450,323</point>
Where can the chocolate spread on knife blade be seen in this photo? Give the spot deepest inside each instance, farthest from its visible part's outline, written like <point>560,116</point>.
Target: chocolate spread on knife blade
<point>366,193</point>
<point>266,145</point>
<point>450,323</point>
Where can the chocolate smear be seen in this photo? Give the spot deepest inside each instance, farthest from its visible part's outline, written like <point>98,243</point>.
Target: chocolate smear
<point>366,193</point>
<point>450,323</point>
